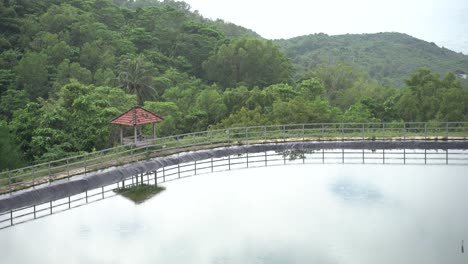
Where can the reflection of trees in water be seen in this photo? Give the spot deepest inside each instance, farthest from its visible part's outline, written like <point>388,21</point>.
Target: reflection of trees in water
<point>296,154</point>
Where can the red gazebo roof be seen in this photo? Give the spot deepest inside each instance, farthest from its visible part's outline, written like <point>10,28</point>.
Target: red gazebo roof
<point>136,116</point>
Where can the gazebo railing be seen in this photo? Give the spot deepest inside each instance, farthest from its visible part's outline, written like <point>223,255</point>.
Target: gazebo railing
<point>81,164</point>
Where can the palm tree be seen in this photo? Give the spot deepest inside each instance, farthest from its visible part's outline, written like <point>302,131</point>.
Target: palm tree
<point>136,77</point>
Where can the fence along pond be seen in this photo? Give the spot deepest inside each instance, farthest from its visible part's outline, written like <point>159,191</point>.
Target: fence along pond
<point>82,164</point>
<point>238,161</point>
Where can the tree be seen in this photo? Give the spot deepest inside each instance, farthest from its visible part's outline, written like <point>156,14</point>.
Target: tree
<point>9,150</point>
<point>195,43</point>
<point>312,88</point>
<point>336,78</point>
<point>59,18</point>
<point>12,101</point>
<point>67,71</point>
<point>300,110</point>
<point>244,117</point>
<point>358,113</point>
<point>97,54</point>
<point>136,77</point>
<point>77,120</point>
<point>32,75</point>
<point>211,102</point>
<point>172,118</point>
<point>248,61</point>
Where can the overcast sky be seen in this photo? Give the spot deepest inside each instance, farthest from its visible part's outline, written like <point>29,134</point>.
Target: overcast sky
<point>444,22</point>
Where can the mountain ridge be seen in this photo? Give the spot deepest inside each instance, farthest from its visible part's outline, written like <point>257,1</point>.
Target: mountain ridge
<point>387,56</point>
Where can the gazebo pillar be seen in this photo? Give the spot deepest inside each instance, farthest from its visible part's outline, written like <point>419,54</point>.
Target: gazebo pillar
<point>154,132</point>
<point>121,134</point>
<point>135,132</point>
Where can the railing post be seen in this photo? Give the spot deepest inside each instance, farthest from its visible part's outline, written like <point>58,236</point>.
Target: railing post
<point>229,136</point>
<point>446,129</point>
<point>342,131</point>
<point>265,133</point>
<point>247,136</point>
<point>425,130</point>
<point>303,132</point>
<point>33,176</point>
<point>85,163</point>
<point>362,130</point>
<point>383,131</point>
<point>323,131</point>
<point>284,133</point>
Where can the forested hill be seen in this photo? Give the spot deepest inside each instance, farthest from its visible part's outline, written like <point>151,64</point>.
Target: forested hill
<point>387,57</point>
<point>67,67</point>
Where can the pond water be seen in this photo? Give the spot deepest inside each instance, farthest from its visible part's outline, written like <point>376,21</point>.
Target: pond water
<point>281,214</point>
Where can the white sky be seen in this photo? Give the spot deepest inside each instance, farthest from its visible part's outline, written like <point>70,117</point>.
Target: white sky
<point>444,22</point>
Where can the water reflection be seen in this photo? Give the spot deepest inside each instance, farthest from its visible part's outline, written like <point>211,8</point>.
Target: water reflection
<point>356,192</point>
<point>288,214</point>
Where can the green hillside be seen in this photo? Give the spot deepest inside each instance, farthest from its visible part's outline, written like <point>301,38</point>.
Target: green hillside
<point>387,57</point>
<point>67,67</point>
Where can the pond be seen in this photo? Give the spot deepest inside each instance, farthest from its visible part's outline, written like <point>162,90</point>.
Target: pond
<point>316,213</point>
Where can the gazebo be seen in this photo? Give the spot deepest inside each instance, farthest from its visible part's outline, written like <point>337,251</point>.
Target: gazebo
<point>136,116</point>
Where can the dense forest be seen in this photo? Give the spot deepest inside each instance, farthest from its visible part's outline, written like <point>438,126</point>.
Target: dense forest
<point>67,67</point>
<point>386,57</point>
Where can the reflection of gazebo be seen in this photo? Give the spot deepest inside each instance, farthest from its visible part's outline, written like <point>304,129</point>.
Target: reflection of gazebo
<point>136,116</point>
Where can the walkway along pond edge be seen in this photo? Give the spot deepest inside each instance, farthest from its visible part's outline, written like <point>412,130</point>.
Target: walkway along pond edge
<point>81,183</point>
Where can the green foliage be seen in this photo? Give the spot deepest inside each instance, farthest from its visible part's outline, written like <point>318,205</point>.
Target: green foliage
<point>172,118</point>
<point>211,102</point>
<point>135,77</point>
<point>358,113</point>
<point>68,67</point>
<point>78,120</point>
<point>11,101</point>
<point>10,153</point>
<point>386,57</point>
<point>244,117</point>
<point>32,76</point>
<point>428,97</point>
<point>248,61</point>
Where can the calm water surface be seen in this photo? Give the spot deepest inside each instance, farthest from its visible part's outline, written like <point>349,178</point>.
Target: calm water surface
<point>285,214</point>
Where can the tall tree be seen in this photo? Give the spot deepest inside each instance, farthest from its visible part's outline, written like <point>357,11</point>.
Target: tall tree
<point>32,75</point>
<point>136,77</point>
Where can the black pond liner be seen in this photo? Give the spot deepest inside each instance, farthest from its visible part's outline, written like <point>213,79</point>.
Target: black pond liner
<point>81,183</point>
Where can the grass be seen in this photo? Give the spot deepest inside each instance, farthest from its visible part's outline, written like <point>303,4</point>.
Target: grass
<point>139,193</point>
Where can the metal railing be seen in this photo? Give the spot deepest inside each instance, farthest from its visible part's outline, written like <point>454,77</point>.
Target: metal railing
<point>235,162</point>
<point>67,167</point>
